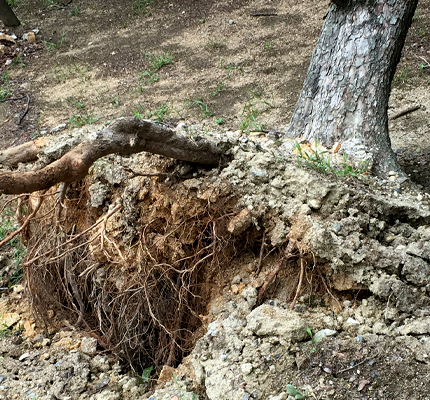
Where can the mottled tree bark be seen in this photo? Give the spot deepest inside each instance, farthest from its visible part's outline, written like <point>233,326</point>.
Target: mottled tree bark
<point>7,15</point>
<point>346,91</point>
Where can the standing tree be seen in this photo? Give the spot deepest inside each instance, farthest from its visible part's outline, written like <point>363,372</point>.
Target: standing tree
<point>7,15</point>
<point>345,94</point>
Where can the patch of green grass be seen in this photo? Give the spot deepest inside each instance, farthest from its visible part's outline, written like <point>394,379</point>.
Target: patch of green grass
<point>401,75</point>
<point>81,119</point>
<point>251,111</point>
<point>50,46</point>
<point>139,7</point>
<point>158,115</point>
<point>201,105</point>
<point>74,12</point>
<point>218,90</point>
<point>18,61</point>
<point>156,62</point>
<point>213,44</point>
<point>6,228</point>
<point>76,103</point>
<point>219,121</point>
<point>12,3</point>
<point>231,68</point>
<point>319,161</point>
<point>267,46</point>
<point>5,90</point>
<point>5,331</point>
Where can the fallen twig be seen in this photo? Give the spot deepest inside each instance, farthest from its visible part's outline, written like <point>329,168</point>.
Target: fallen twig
<point>405,111</point>
<point>349,368</point>
<point>264,14</point>
<point>25,111</point>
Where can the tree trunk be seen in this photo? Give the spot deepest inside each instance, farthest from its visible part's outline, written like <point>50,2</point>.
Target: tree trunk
<point>7,15</point>
<point>345,95</point>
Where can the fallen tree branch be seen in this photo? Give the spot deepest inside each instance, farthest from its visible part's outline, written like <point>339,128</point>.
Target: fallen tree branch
<point>125,136</point>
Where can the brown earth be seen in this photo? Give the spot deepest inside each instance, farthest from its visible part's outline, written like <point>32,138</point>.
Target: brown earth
<point>233,68</point>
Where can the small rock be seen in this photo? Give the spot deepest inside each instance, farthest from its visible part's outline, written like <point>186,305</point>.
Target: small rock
<point>231,21</point>
<point>246,368</point>
<point>59,128</point>
<point>300,308</point>
<point>24,356</point>
<point>107,395</point>
<point>30,37</point>
<point>352,321</point>
<point>359,339</point>
<point>89,345</point>
<point>323,333</point>
<point>240,223</point>
<point>131,383</point>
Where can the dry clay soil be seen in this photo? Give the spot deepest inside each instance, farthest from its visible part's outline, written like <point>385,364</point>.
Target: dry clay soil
<point>235,64</point>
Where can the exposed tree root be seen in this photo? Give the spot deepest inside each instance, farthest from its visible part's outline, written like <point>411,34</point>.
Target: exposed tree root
<point>125,136</point>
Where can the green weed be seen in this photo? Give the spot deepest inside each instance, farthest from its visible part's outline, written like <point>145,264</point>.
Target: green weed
<point>218,90</point>
<point>5,90</point>
<point>308,330</point>
<point>5,228</point>
<point>5,331</point>
<point>213,44</point>
<point>251,111</point>
<point>81,119</point>
<point>76,103</point>
<point>267,46</point>
<point>295,393</point>
<point>18,61</point>
<point>139,7</point>
<point>319,161</point>
<point>158,114</point>
<point>12,3</point>
<point>401,75</point>
<point>219,121</point>
<point>74,12</point>
<point>50,46</point>
<point>144,377</point>
<point>156,62</point>
<point>200,104</point>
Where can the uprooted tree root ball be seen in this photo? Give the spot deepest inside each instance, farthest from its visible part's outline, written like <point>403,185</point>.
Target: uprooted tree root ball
<point>140,277</point>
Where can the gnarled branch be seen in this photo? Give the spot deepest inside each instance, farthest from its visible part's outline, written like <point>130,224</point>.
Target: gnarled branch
<point>125,136</point>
